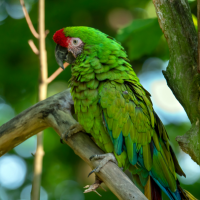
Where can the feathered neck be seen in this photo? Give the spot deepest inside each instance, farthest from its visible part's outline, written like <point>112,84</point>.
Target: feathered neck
<point>99,65</point>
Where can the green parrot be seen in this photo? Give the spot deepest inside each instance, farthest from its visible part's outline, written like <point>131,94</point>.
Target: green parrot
<point>113,107</point>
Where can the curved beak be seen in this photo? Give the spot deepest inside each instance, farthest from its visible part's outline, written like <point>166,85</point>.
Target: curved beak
<point>61,55</point>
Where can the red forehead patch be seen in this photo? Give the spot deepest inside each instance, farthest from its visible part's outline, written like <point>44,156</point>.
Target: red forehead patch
<point>60,38</point>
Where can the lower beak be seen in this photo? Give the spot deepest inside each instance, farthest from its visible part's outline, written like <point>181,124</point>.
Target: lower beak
<point>60,54</point>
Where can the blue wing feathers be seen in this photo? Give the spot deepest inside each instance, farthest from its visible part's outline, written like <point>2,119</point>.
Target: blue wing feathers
<point>172,195</point>
<point>117,142</point>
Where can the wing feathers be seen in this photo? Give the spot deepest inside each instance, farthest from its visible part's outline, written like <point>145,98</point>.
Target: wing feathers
<point>130,122</point>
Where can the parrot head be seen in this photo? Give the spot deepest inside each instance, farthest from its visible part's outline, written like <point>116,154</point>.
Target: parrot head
<point>74,41</point>
<point>67,48</point>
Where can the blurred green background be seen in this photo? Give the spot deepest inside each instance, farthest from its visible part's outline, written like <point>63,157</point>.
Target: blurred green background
<point>134,24</point>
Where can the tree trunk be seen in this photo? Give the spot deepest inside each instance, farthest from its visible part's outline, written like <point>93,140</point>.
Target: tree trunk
<point>182,75</point>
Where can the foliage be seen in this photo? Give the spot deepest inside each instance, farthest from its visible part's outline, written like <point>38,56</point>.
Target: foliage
<point>135,37</point>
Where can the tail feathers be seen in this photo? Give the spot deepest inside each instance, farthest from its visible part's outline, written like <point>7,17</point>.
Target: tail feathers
<point>156,193</point>
<point>185,195</point>
<point>152,191</point>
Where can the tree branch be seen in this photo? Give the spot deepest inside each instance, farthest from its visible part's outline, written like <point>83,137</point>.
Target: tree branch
<point>43,83</point>
<point>175,20</point>
<point>56,73</point>
<point>28,20</point>
<point>33,47</point>
<point>35,192</point>
<point>56,112</point>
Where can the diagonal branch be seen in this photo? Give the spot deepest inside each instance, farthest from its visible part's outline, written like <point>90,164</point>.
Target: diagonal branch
<point>182,76</point>
<point>56,112</point>
<point>33,47</point>
<point>56,73</point>
<point>28,20</point>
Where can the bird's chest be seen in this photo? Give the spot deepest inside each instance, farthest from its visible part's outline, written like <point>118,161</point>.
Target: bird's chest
<point>92,122</point>
<point>90,116</point>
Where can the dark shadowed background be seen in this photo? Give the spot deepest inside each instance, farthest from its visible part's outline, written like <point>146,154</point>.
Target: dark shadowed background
<point>133,23</point>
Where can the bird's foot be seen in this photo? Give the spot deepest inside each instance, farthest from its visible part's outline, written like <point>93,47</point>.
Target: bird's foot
<point>94,186</point>
<point>105,158</point>
<point>71,131</point>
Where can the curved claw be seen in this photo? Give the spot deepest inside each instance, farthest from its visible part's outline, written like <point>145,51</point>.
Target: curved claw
<point>71,131</point>
<point>105,158</point>
<point>61,139</point>
<point>92,172</point>
<point>91,157</point>
<point>66,137</point>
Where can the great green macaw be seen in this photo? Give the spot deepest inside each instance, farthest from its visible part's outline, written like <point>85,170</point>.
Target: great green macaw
<point>117,111</point>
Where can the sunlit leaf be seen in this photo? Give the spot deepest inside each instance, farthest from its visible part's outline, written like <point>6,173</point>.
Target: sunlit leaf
<point>194,18</point>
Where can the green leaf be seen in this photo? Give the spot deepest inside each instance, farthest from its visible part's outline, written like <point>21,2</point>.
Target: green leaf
<point>194,18</point>
<point>140,37</point>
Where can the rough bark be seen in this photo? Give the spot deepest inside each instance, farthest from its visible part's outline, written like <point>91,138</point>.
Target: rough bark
<point>182,76</point>
<point>56,112</point>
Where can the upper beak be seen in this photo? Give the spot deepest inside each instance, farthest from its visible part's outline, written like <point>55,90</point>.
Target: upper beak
<point>60,54</point>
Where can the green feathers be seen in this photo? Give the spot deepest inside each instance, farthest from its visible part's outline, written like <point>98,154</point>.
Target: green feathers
<point>116,110</point>
<point>124,113</point>
<point>89,36</point>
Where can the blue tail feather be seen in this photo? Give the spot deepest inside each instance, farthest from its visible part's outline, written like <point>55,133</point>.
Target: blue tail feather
<point>171,195</point>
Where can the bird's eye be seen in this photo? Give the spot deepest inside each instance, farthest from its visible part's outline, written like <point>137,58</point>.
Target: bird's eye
<point>75,42</point>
